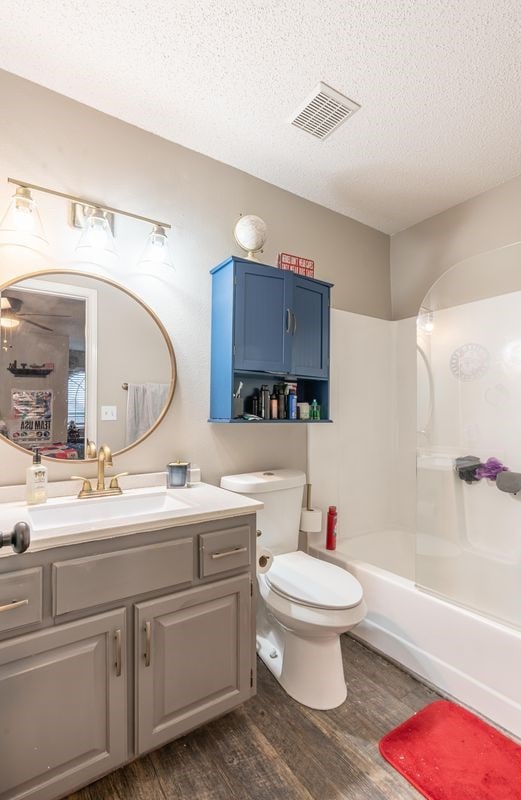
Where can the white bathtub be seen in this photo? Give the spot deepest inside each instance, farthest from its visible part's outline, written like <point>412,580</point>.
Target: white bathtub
<point>472,658</point>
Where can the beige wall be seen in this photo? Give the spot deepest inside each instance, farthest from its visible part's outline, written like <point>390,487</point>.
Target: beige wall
<point>50,140</point>
<point>419,255</point>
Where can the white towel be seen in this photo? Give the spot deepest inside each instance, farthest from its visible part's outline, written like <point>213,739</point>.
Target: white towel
<point>144,405</point>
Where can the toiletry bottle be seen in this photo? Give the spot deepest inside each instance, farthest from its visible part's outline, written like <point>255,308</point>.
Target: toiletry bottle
<point>292,404</point>
<point>265,392</point>
<point>274,407</point>
<point>280,404</point>
<point>36,481</point>
<point>255,404</point>
<point>314,413</point>
<point>261,403</point>
<point>331,528</point>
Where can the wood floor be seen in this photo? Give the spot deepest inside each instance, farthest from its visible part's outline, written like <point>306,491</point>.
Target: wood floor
<point>272,748</point>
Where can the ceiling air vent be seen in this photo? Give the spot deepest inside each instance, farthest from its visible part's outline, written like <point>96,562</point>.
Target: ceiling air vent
<point>323,111</point>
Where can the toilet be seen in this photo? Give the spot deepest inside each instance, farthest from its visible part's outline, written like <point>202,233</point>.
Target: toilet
<point>303,604</point>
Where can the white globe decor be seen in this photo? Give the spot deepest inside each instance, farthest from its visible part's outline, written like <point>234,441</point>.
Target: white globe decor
<point>250,233</point>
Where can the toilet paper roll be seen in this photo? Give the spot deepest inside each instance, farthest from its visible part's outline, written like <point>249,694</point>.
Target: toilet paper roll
<point>311,521</point>
<point>264,560</point>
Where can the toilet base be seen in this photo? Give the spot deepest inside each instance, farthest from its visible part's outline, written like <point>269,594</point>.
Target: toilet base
<point>309,669</point>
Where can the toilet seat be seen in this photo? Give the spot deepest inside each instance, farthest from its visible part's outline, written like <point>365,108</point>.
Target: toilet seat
<point>316,584</point>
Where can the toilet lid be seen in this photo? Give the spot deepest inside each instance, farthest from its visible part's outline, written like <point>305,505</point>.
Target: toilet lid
<point>312,582</point>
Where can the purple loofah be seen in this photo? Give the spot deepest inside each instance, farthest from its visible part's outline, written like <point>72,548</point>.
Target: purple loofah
<point>490,469</point>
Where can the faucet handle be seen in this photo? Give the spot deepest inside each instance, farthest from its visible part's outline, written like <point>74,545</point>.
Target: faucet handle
<point>87,485</point>
<point>114,480</point>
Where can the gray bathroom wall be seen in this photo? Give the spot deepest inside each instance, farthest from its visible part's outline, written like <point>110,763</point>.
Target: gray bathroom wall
<point>420,254</point>
<point>50,140</point>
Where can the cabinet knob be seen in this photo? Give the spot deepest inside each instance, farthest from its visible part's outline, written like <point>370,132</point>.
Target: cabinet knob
<point>19,538</point>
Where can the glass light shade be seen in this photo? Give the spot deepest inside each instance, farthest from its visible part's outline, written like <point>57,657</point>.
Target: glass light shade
<point>22,219</point>
<point>8,321</point>
<point>157,251</point>
<point>97,235</point>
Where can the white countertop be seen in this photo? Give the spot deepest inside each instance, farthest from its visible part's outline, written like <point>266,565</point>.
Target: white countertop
<point>67,520</point>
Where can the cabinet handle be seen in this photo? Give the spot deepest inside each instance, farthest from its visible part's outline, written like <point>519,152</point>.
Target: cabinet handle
<point>288,320</point>
<point>117,663</point>
<point>148,642</point>
<point>294,323</point>
<point>14,604</point>
<point>229,552</point>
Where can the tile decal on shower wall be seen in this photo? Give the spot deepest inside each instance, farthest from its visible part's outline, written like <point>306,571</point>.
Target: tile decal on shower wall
<point>469,361</point>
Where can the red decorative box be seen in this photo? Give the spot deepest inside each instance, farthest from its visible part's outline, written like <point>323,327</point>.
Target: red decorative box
<point>302,266</point>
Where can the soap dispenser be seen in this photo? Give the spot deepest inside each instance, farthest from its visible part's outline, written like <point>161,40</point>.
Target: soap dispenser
<point>36,481</point>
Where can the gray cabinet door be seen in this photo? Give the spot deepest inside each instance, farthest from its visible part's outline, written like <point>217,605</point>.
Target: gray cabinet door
<point>63,718</point>
<point>193,652</point>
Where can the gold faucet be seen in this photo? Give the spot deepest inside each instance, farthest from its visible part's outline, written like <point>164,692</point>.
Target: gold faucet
<point>104,460</point>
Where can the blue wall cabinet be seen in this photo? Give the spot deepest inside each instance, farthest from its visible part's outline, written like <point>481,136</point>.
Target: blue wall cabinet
<point>310,327</point>
<point>268,325</point>
<point>262,304</point>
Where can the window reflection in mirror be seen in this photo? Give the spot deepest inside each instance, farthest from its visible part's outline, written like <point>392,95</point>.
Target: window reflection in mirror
<point>81,361</point>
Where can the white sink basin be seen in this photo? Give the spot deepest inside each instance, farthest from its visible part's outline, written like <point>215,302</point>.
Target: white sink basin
<point>103,512</point>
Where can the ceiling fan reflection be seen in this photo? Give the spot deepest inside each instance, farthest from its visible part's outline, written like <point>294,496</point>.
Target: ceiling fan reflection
<point>15,304</point>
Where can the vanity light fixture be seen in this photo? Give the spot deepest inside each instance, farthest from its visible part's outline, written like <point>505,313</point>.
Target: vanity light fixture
<point>22,219</point>
<point>96,220</point>
<point>97,234</point>
<point>157,251</point>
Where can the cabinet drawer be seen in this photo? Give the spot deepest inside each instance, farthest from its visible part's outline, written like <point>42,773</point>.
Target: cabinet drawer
<point>224,550</point>
<point>20,598</point>
<point>84,582</point>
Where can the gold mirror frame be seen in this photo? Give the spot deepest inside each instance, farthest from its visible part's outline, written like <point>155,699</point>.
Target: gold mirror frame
<point>166,337</point>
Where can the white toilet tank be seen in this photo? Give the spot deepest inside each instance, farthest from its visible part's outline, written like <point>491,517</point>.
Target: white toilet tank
<point>281,492</point>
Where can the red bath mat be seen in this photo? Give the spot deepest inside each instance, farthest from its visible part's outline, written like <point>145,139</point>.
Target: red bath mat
<point>447,753</point>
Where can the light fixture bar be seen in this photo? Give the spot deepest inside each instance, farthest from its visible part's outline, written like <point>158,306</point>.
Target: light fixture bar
<point>91,203</point>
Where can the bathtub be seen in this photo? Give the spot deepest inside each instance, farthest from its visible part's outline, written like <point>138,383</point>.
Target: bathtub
<point>469,657</point>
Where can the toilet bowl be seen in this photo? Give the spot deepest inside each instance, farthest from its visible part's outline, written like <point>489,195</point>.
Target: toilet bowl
<point>302,611</point>
<point>303,604</point>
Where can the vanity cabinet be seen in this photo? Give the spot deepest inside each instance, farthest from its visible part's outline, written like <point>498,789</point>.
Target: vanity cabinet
<point>63,707</point>
<point>192,656</point>
<point>131,641</point>
<point>267,325</point>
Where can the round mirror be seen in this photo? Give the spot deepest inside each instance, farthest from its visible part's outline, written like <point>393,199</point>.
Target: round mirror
<point>83,362</point>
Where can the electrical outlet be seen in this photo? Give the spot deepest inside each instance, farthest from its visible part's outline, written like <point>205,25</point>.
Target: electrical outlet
<point>109,413</point>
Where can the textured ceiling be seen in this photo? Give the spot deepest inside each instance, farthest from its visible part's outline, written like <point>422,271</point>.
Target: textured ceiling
<point>438,81</point>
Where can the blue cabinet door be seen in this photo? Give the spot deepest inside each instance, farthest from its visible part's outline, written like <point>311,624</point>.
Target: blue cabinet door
<point>262,319</point>
<point>310,328</point>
